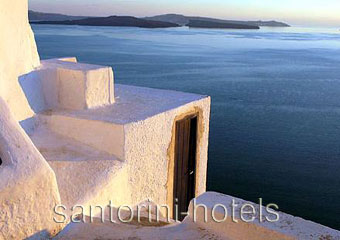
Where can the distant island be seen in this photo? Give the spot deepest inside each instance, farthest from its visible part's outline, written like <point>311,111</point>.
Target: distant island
<point>160,21</point>
<point>185,20</point>
<point>113,21</point>
<point>207,24</point>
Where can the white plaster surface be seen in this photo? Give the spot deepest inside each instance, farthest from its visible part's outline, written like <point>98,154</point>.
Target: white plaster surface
<point>28,187</point>
<point>65,84</point>
<point>288,226</point>
<point>97,230</point>
<point>106,137</point>
<point>134,104</point>
<point>85,175</point>
<point>107,157</point>
<point>148,139</point>
<point>138,129</point>
<point>18,55</point>
<point>84,86</point>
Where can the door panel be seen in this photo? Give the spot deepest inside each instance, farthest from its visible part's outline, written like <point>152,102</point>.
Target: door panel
<point>185,164</point>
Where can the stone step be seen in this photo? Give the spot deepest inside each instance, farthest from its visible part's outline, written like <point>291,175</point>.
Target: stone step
<point>105,137</point>
<point>56,147</point>
<point>85,175</point>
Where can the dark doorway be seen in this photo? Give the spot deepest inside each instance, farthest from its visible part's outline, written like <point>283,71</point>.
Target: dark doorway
<point>185,165</point>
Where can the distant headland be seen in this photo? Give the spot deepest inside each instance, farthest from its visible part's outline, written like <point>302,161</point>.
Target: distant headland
<point>113,21</point>
<point>207,24</point>
<point>160,21</point>
<point>185,20</point>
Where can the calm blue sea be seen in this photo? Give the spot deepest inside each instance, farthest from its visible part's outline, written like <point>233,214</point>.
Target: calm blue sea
<point>275,120</point>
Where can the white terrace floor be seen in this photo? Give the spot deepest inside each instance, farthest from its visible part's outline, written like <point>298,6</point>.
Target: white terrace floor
<point>105,231</point>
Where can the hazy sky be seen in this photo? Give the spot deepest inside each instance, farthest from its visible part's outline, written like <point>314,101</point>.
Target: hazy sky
<point>296,12</point>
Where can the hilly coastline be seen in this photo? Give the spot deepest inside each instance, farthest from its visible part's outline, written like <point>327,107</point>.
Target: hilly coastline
<point>39,16</point>
<point>160,21</point>
<point>113,21</point>
<point>207,24</point>
<point>185,20</point>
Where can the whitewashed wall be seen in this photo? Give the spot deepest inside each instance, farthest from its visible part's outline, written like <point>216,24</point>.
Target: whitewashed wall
<point>149,153</point>
<point>28,185</point>
<point>18,55</point>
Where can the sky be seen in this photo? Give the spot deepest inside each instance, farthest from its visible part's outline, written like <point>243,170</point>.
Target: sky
<point>295,12</point>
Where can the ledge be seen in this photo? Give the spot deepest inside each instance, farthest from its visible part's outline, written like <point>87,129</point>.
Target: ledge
<point>133,104</point>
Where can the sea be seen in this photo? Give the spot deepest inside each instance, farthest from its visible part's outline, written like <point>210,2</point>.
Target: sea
<point>275,114</point>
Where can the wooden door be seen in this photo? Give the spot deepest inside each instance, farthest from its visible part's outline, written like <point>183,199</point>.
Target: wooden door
<point>185,165</point>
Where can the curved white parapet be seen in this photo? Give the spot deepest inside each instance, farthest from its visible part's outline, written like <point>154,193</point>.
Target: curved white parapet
<point>247,220</point>
<point>28,187</point>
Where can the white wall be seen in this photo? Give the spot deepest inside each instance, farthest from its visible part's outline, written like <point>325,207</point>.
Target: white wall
<point>149,153</point>
<point>28,185</point>
<point>18,55</point>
